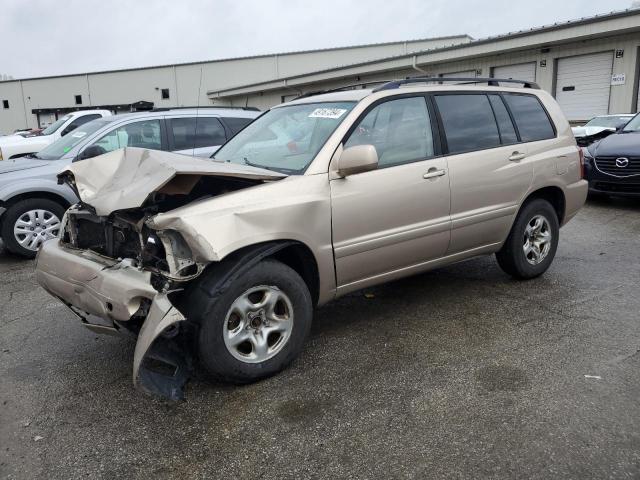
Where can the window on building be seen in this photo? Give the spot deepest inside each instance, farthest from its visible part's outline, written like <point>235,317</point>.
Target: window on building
<point>469,123</point>
<point>78,99</point>
<point>209,132</point>
<point>399,129</point>
<point>165,93</point>
<point>5,103</point>
<point>531,119</point>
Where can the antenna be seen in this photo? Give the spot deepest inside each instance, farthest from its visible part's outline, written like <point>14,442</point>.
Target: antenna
<point>195,129</point>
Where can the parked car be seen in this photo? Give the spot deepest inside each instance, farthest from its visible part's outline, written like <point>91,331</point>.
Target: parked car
<point>223,261</point>
<point>599,127</point>
<point>612,165</point>
<point>24,143</point>
<point>32,202</point>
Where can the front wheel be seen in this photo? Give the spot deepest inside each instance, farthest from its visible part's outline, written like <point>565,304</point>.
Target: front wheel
<point>28,223</point>
<point>257,326</point>
<point>532,242</point>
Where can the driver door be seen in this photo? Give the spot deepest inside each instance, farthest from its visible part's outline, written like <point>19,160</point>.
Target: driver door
<point>390,222</point>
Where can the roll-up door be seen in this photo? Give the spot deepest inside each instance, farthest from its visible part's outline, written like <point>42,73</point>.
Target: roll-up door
<point>583,84</point>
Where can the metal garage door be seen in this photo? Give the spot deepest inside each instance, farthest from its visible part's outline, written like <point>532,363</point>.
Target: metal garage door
<point>521,71</point>
<point>583,84</point>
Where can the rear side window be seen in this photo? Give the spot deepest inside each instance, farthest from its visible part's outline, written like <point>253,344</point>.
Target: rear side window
<point>189,133</point>
<point>237,124</point>
<point>85,119</point>
<point>468,122</point>
<point>507,132</point>
<point>530,117</point>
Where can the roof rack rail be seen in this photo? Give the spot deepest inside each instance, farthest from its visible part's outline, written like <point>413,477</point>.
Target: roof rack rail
<point>493,82</point>
<point>340,89</point>
<point>222,107</point>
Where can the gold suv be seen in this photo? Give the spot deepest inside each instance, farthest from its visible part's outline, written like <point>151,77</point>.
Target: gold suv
<point>221,262</point>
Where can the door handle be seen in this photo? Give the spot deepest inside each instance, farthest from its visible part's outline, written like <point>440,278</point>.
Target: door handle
<point>517,156</point>
<point>433,173</point>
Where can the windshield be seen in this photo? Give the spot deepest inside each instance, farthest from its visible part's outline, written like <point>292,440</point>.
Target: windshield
<point>633,125</point>
<point>285,139</point>
<point>607,122</point>
<point>55,125</point>
<point>57,149</point>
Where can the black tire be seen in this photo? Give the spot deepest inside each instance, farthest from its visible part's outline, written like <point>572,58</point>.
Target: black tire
<point>512,258</point>
<point>210,308</point>
<point>15,211</point>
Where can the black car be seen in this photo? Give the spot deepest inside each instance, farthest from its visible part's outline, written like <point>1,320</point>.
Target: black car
<point>612,165</point>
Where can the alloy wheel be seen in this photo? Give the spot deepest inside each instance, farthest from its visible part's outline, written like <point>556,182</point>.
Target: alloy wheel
<point>258,324</point>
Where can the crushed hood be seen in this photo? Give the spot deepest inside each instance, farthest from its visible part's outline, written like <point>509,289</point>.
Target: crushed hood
<point>125,178</point>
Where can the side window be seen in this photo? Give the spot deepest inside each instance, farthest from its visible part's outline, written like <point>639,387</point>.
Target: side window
<point>531,119</point>
<point>86,119</point>
<point>400,130</point>
<point>209,132</point>
<point>237,124</point>
<point>507,132</point>
<point>77,122</point>
<point>469,123</point>
<point>145,134</point>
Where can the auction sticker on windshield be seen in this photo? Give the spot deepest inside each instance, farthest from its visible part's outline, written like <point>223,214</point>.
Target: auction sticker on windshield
<point>78,134</point>
<point>327,113</point>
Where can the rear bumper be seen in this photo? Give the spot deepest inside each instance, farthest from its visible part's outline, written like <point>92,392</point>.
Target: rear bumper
<point>115,290</point>
<point>575,196</point>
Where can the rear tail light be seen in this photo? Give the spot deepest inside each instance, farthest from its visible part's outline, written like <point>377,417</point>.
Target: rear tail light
<point>581,155</point>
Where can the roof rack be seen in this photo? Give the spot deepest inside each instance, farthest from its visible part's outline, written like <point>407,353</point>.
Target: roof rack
<point>340,89</point>
<point>166,109</point>
<point>493,82</point>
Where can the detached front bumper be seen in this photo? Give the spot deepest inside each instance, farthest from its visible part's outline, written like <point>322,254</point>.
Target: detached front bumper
<point>116,291</point>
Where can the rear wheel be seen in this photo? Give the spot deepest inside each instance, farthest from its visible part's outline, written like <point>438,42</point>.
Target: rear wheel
<point>28,223</point>
<point>532,242</point>
<point>257,326</point>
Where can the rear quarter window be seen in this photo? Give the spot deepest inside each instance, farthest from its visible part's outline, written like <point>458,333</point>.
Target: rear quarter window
<point>530,116</point>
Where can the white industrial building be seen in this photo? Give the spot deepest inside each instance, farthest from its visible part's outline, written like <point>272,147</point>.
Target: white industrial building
<point>591,66</point>
<point>33,102</point>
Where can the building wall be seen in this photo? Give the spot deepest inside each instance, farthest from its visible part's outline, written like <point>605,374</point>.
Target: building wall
<point>623,98</point>
<point>188,83</point>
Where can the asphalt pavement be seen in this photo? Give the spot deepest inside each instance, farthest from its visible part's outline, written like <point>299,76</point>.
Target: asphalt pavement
<point>458,373</point>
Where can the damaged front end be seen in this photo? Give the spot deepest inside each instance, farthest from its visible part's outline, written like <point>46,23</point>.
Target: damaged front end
<point>111,264</point>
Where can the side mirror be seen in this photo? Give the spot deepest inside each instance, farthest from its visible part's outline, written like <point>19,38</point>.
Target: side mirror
<point>357,159</point>
<point>91,151</point>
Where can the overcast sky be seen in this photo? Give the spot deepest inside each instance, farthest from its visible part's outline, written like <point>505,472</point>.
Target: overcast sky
<point>47,37</point>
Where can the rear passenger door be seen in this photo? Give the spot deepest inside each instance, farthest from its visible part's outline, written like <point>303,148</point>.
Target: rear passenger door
<point>197,136</point>
<point>489,171</point>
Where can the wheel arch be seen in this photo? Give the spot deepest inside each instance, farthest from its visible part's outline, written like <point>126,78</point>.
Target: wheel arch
<point>552,194</point>
<point>9,202</point>
<point>295,254</point>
